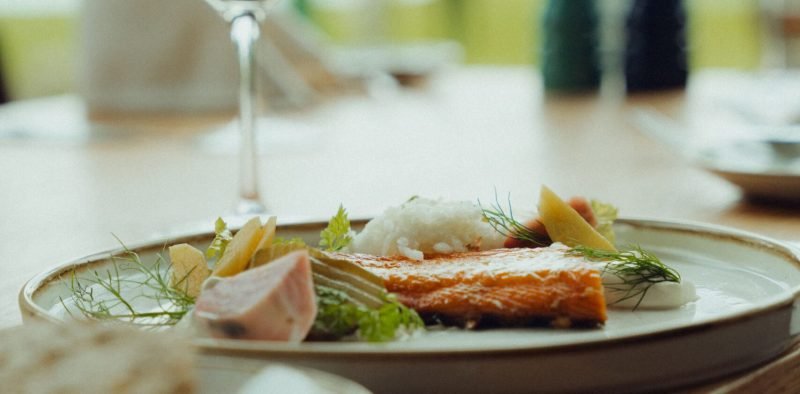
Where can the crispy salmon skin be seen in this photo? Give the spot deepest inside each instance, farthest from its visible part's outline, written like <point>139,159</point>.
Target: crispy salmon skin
<point>495,287</point>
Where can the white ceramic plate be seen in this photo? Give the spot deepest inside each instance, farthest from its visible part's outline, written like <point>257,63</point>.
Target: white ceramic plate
<point>234,375</point>
<point>745,315</point>
<point>761,169</point>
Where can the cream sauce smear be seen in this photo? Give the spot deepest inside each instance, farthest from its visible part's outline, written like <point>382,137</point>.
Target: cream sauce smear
<point>660,295</point>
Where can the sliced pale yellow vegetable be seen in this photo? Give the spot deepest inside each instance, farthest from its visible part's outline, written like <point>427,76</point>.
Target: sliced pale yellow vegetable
<point>260,256</point>
<point>241,249</point>
<point>566,225</point>
<point>188,269</point>
<point>346,266</point>
<point>269,232</point>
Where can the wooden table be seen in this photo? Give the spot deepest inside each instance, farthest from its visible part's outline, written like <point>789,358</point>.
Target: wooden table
<point>469,133</point>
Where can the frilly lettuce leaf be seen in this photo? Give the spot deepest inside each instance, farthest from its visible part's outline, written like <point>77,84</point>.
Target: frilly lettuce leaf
<point>339,316</point>
<point>605,214</point>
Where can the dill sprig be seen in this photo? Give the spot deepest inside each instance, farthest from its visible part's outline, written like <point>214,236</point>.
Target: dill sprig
<point>505,224</point>
<point>127,280</point>
<point>637,269</point>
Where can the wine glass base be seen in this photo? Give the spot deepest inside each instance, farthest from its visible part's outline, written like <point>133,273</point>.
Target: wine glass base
<point>250,207</point>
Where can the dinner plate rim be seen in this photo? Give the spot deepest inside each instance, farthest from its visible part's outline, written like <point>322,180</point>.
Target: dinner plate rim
<point>760,184</point>
<point>30,309</point>
<point>755,181</point>
<point>755,173</point>
<point>715,164</point>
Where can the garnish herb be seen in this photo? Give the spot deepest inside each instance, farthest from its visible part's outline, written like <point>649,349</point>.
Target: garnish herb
<point>338,316</point>
<point>128,274</point>
<point>382,324</point>
<point>337,235</point>
<point>636,268</point>
<point>507,225</point>
<point>222,237</point>
<point>605,214</point>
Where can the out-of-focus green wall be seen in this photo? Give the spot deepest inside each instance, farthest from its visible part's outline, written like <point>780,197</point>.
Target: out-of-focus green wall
<point>720,33</point>
<point>724,33</point>
<point>425,20</point>
<point>491,31</point>
<point>507,34</point>
<point>37,55</point>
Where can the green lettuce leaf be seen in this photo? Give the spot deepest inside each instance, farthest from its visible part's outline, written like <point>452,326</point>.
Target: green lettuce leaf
<point>338,316</point>
<point>605,214</point>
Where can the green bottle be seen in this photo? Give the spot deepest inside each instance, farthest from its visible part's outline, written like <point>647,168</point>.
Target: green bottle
<point>569,50</point>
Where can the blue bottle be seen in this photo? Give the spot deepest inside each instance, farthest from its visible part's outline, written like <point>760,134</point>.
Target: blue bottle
<point>655,53</point>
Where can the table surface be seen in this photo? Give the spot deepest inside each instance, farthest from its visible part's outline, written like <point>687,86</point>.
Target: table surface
<point>468,134</point>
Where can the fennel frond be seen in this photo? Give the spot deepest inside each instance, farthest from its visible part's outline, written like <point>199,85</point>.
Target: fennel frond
<point>113,294</point>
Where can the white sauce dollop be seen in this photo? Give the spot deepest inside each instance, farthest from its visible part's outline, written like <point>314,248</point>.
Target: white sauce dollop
<point>662,295</point>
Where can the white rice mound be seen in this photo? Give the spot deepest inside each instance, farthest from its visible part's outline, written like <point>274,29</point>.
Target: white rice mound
<point>426,226</point>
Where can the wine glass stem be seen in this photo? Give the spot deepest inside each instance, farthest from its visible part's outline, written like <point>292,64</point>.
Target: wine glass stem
<point>244,33</point>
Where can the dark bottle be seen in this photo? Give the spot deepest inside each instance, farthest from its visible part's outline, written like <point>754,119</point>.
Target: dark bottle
<point>569,48</point>
<point>3,92</point>
<point>655,54</point>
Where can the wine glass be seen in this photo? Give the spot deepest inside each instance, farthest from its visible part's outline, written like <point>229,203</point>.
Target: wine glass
<point>244,17</point>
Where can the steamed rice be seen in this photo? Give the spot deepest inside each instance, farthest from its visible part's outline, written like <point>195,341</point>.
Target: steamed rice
<point>426,226</point>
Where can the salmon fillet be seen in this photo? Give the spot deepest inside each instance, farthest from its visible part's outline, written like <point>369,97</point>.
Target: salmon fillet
<point>495,287</point>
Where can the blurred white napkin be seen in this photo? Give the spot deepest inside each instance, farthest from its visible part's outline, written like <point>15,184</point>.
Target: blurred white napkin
<point>156,55</point>
<point>176,55</point>
<point>764,98</point>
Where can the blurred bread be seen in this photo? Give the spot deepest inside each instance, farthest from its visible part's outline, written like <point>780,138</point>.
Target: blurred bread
<point>93,358</point>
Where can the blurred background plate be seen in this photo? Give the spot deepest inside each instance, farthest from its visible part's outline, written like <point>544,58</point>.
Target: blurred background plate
<point>763,160</point>
<point>763,169</point>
